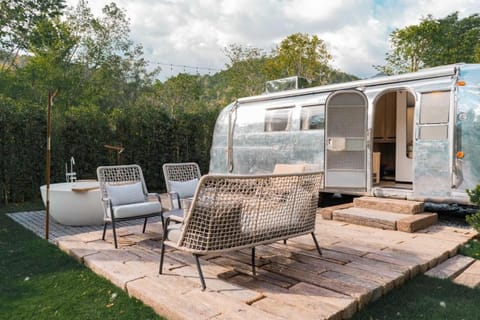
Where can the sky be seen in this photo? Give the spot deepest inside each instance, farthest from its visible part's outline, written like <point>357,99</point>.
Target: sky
<point>194,33</point>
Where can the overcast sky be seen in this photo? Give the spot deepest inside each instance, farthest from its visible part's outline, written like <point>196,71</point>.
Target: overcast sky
<point>195,32</point>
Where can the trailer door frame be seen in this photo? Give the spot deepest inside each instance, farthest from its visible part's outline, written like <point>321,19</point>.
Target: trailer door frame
<point>346,141</point>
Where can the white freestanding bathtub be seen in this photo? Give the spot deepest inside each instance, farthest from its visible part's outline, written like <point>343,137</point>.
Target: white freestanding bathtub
<point>78,207</point>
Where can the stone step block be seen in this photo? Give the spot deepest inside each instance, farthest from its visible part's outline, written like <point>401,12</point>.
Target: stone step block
<point>412,223</point>
<point>368,217</point>
<point>451,267</point>
<point>328,211</point>
<point>387,204</point>
<point>471,276</point>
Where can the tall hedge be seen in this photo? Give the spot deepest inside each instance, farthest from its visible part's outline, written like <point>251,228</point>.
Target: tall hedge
<point>150,136</point>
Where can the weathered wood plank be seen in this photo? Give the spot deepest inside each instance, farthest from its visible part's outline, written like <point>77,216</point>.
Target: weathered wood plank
<point>319,263</point>
<point>262,274</point>
<point>360,293</point>
<point>451,267</point>
<point>470,277</point>
<point>178,299</point>
<point>321,303</point>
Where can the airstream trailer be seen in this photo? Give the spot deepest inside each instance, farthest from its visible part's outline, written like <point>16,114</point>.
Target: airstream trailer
<point>414,136</point>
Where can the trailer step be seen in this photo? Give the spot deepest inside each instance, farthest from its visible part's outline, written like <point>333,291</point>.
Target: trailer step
<point>391,205</point>
<point>368,217</point>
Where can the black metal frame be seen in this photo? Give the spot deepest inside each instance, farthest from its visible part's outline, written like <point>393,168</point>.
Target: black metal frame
<point>197,260</point>
<point>114,220</point>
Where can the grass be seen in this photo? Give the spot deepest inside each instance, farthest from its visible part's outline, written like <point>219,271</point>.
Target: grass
<point>429,298</point>
<point>425,298</point>
<point>471,249</point>
<point>38,281</point>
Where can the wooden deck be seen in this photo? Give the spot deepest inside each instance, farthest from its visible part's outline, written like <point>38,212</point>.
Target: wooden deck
<point>359,264</point>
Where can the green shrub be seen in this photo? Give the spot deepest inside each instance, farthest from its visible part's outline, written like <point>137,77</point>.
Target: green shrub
<point>474,219</point>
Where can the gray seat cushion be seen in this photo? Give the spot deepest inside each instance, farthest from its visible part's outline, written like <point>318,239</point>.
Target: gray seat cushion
<point>137,209</point>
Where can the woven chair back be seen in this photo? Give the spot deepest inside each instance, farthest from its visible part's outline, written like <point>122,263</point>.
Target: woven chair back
<point>180,172</point>
<point>118,175</point>
<point>234,212</point>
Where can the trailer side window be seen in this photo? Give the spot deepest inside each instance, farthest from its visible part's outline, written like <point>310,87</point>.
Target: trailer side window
<point>434,107</point>
<point>278,119</point>
<point>313,118</point>
<point>434,110</point>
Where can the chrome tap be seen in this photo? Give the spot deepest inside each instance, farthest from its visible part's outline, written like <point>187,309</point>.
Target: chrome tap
<point>70,176</point>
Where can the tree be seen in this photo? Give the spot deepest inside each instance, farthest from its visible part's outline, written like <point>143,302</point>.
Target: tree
<point>18,18</point>
<point>180,93</point>
<point>302,55</point>
<point>111,68</point>
<point>433,42</point>
<point>246,71</point>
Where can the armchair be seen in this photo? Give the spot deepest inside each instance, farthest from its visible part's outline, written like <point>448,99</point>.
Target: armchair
<point>181,180</point>
<point>125,196</point>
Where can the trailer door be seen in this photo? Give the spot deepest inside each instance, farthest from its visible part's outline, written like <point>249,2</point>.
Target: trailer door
<point>345,141</point>
<point>432,148</point>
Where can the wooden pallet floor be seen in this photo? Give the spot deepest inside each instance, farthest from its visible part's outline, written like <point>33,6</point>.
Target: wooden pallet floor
<point>359,264</point>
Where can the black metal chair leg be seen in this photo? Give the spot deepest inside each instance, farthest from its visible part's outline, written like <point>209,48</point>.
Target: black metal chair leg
<point>162,252</point>
<point>285,241</point>
<point>316,243</point>
<point>253,262</point>
<point>104,231</point>
<point>114,234</point>
<point>202,280</point>
<point>144,225</point>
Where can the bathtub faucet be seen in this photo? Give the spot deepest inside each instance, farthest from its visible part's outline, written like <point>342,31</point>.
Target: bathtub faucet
<point>70,176</point>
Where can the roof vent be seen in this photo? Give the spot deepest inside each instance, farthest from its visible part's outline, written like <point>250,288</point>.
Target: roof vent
<point>290,83</point>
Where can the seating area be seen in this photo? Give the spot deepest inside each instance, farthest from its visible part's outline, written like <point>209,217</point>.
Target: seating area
<point>230,232</point>
<point>230,213</point>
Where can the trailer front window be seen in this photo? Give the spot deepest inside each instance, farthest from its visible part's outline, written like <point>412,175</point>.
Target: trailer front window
<point>313,118</point>
<point>278,119</point>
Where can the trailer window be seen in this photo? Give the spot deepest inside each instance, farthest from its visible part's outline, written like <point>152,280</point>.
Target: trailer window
<point>434,107</point>
<point>434,110</point>
<point>278,119</point>
<point>313,118</point>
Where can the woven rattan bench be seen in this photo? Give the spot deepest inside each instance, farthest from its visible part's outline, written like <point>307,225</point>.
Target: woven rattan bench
<point>235,212</point>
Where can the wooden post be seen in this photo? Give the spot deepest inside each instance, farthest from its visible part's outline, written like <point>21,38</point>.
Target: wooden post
<point>51,97</point>
<point>119,149</point>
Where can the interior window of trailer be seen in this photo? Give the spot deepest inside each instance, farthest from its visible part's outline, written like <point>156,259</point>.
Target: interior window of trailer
<point>278,119</point>
<point>434,107</point>
<point>312,118</point>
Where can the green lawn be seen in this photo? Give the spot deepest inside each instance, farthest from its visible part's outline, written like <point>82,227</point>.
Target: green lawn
<point>425,298</point>
<point>38,281</point>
